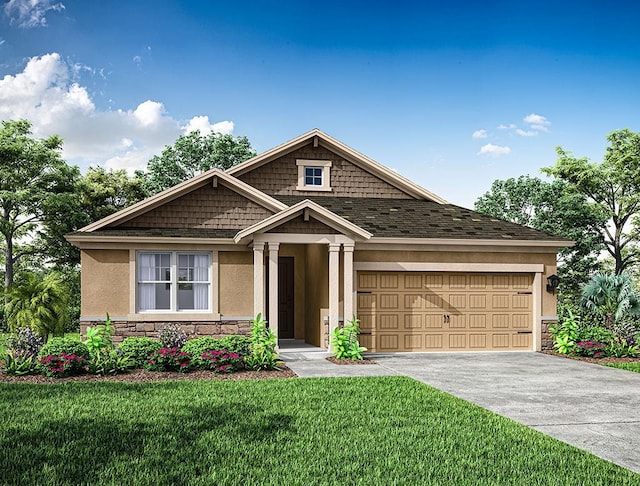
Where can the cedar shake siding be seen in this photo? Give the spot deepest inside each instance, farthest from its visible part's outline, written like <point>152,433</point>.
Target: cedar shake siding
<point>280,177</point>
<point>299,225</point>
<point>207,208</point>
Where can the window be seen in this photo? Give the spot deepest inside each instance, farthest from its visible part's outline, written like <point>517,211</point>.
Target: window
<point>314,175</point>
<point>174,281</point>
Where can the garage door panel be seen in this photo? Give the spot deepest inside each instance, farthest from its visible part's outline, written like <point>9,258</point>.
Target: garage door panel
<point>423,311</point>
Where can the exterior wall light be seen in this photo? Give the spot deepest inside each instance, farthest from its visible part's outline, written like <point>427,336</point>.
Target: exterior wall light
<point>553,282</point>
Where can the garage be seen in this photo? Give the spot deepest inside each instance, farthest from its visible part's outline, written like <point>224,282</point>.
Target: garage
<point>445,311</point>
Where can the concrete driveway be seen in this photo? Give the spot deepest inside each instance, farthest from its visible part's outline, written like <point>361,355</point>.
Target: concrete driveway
<point>590,406</point>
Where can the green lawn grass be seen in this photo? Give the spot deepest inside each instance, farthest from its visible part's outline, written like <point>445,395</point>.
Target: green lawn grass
<point>391,430</point>
<point>626,366</point>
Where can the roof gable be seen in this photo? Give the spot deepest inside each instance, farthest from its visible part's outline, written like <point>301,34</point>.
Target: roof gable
<point>319,140</point>
<point>211,179</point>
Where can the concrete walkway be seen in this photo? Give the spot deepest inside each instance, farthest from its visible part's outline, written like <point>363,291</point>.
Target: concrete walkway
<point>590,406</point>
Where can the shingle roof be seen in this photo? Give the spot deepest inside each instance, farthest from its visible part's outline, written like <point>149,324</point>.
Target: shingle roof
<point>163,232</point>
<point>410,218</point>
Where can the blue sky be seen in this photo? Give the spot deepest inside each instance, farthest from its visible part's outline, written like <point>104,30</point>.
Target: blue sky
<point>452,95</point>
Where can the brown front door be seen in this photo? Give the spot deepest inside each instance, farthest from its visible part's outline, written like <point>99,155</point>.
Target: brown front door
<point>285,297</point>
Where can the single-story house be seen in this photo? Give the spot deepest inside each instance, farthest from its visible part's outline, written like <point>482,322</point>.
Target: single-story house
<point>311,233</point>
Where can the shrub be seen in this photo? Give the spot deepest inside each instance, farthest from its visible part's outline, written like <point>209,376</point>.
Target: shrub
<point>236,344</point>
<point>169,359</point>
<point>63,364</point>
<point>232,344</point>
<point>139,349</point>
<point>20,357</point>
<point>18,364</point>
<point>110,363</point>
<point>621,348</point>
<point>565,333</point>
<point>596,334</point>
<point>57,346</point>
<point>221,361</point>
<point>98,339</point>
<point>590,349</point>
<point>263,355</point>
<point>172,336</point>
<point>345,341</point>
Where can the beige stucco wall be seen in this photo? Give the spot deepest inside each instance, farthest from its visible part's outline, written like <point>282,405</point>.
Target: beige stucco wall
<point>105,283</point>
<point>236,283</point>
<point>548,259</point>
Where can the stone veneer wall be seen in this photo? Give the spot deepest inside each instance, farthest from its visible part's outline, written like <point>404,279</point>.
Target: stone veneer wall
<point>546,339</point>
<point>218,329</point>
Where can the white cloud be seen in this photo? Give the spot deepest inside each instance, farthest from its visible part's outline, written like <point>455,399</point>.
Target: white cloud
<point>203,124</point>
<point>491,150</point>
<point>137,59</point>
<point>30,13</point>
<point>526,133</point>
<point>537,122</point>
<point>479,134</point>
<point>2,41</point>
<point>46,94</point>
<point>510,126</point>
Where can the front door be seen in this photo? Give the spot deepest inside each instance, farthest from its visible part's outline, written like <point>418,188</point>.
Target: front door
<point>285,297</point>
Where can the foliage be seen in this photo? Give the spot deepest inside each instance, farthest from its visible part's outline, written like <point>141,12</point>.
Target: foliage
<point>596,334</point>
<point>38,198</point>
<point>555,208</point>
<point>611,297</point>
<point>263,354</point>
<point>103,192</point>
<point>345,341</point>
<point>25,341</point>
<point>590,349</point>
<point>233,344</point>
<point>18,364</point>
<point>565,333</point>
<point>192,154</point>
<point>57,346</point>
<point>110,363</point>
<point>225,432</point>
<point>169,359</point>
<point>621,348</point>
<point>98,339</point>
<point>172,336</point>
<point>138,349</point>
<point>61,365</point>
<point>635,367</point>
<point>220,361</point>
<point>612,188</point>
<point>39,302</point>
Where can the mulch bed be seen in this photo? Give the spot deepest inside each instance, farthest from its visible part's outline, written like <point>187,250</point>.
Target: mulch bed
<point>343,361</point>
<point>143,376</point>
<point>601,361</point>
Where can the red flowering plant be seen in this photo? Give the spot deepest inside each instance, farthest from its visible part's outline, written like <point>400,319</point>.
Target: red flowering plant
<point>590,349</point>
<point>221,361</point>
<point>63,364</point>
<point>169,359</point>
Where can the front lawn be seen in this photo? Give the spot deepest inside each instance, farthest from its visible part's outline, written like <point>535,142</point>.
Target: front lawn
<point>633,366</point>
<point>391,430</point>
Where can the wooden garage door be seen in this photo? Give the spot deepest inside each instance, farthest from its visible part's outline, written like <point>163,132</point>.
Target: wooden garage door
<point>412,311</point>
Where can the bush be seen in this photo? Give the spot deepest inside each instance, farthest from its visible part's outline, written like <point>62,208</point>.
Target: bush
<point>56,346</point>
<point>597,334</point>
<point>239,345</point>
<point>263,354</point>
<point>236,344</point>
<point>221,361</point>
<point>20,357</point>
<point>590,349</point>
<point>139,349</point>
<point>169,359</point>
<point>345,341</point>
<point>565,333</point>
<point>172,336</point>
<point>63,364</point>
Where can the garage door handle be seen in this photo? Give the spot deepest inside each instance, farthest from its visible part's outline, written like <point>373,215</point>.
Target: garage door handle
<point>524,332</point>
<point>525,293</point>
<point>364,292</point>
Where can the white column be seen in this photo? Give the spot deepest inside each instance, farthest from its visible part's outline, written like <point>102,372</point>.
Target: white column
<point>273,287</point>
<point>258,278</point>
<point>537,311</point>
<point>334,282</point>
<point>348,281</point>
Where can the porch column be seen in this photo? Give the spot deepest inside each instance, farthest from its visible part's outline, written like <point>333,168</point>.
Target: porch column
<point>258,279</point>
<point>334,282</point>
<point>348,281</point>
<point>273,287</point>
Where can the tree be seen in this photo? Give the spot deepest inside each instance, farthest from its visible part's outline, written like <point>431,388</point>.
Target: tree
<point>39,302</point>
<point>613,188</point>
<point>38,194</point>
<point>104,192</point>
<point>553,207</point>
<point>191,155</point>
<point>611,297</point>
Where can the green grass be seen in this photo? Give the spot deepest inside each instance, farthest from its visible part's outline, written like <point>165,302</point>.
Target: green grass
<point>391,430</point>
<point>626,366</point>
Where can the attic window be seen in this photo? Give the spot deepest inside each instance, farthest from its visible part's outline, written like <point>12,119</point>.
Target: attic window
<point>314,175</point>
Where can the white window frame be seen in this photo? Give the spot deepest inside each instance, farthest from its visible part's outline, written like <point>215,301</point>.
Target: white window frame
<point>174,282</point>
<point>304,164</point>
